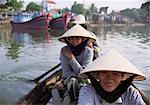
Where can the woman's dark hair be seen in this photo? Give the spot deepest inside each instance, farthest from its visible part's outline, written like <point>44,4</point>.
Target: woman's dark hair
<point>84,26</point>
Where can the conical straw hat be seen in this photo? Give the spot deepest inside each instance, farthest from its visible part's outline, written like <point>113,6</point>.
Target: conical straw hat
<point>113,61</point>
<point>76,30</point>
<point>79,19</point>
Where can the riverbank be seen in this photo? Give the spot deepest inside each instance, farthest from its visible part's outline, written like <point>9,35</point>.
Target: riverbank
<point>5,24</point>
<point>107,24</point>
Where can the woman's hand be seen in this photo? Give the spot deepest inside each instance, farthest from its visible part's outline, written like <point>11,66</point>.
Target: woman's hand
<point>66,51</point>
<point>90,44</point>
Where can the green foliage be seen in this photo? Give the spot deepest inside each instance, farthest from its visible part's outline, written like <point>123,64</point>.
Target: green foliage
<point>15,4</point>
<point>146,9</point>
<point>33,7</point>
<point>77,8</point>
<point>87,12</point>
<point>131,13</point>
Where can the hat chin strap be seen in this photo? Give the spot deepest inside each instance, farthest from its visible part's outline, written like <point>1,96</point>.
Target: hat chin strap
<point>115,94</point>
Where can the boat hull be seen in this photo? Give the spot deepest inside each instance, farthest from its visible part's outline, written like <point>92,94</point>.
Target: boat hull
<point>60,23</point>
<point>41,94</point>
<point>40,22</point>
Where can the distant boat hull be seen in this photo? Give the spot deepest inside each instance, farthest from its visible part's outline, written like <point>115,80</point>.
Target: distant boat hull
<point>40,22</point>
<point>60,23</point>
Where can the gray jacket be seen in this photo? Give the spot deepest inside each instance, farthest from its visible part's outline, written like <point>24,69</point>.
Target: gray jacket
<point>88,96</point>
<point>75,65</point>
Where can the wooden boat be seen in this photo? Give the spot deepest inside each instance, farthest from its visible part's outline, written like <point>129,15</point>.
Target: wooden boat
<point>59,23</point>
<point>41,94</point>
<point>39,22</point>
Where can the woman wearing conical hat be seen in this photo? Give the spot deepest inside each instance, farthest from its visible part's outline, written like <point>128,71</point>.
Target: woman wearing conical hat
<point>76,55</point>
<point>111,77</point>
<point>80,19</point>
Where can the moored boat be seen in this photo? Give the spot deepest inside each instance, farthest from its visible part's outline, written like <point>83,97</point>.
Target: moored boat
<point>27,22</point>
<point>59,23</point>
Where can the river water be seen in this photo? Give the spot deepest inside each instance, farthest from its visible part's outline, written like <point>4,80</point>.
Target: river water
<point>26,54</point>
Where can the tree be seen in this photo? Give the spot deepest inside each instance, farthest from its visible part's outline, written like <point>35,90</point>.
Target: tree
<point>15,4</point>
<point>93,8</point>
<point>33,7</point>
<point>87,12</point>
<point>132,14</point>
<point>146,11</point>
<point>77,8</point>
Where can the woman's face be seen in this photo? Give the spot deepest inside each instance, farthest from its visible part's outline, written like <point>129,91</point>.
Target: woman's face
<point>109,80</point>
<point>75,40</point>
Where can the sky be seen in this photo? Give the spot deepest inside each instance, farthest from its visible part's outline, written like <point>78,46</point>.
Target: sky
<point>112,4</point>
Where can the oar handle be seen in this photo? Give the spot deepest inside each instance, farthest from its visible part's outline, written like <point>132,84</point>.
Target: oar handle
<point>43,75</point>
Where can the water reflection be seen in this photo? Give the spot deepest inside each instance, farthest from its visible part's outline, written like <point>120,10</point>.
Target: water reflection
<point>5,35</point>
<point>13,50</point>
<point>30,36</point>
<point>13,40</point>
<point>142,33</point>
<point>57,32</point>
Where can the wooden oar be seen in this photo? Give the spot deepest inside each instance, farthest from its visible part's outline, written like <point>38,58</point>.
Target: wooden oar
<point>43,75</point>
